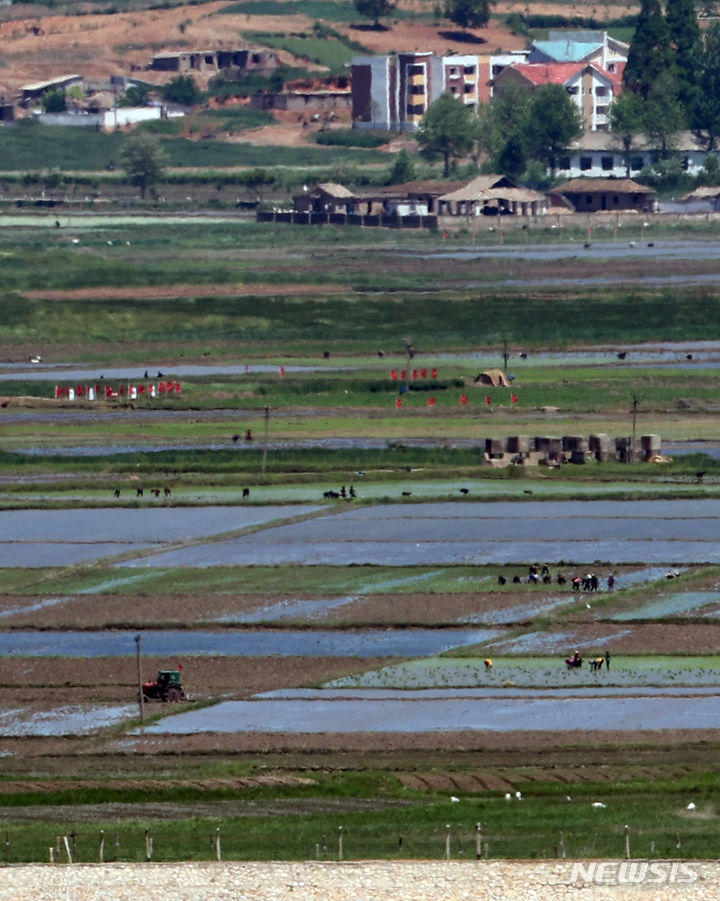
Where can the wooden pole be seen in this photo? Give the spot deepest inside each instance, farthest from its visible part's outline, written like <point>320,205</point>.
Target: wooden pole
<point>478,840</point>
<point>138,639</point>
<point>340,842</point>
<point>148,845</point>
<point>627,843</point>
<point>67,848</point>
<point>218,851</point>
<point>265,442</point>
<point>51,852</point>
<point>101,852</point>
<point>447,842</point>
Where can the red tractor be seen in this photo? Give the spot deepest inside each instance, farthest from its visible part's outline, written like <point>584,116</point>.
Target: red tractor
<point>166,688</point>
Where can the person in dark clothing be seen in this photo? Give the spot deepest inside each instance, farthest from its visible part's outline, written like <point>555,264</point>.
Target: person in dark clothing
<point>607,659</point>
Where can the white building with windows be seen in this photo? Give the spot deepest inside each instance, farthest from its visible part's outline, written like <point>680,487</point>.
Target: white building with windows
<point>601,155</point>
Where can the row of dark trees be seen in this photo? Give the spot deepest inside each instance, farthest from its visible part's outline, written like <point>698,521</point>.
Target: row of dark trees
<point>672,76</point>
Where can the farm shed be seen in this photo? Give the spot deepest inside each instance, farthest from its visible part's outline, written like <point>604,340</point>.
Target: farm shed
<point>492,195</point>
<point>589,195</point>
<point>325,198</point>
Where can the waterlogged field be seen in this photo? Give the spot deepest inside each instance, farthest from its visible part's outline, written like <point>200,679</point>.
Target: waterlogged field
<point>334,648</point>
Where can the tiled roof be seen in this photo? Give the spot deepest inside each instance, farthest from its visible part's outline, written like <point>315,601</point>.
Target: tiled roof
<point>567,51</point>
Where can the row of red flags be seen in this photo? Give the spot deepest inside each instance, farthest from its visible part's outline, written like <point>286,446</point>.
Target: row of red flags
<point>414,374</point>
<point>93,392</point>
<point>463,400</point>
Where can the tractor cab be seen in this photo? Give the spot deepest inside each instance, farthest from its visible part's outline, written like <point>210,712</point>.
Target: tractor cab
<point>166,687</point>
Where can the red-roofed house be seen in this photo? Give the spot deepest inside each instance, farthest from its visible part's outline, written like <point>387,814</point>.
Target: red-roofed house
<point>592,88</point>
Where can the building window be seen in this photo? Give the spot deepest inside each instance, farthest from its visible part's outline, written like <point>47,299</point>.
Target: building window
<point>686,163</point>
<point>585,163</point>
<point>469,70</point>
<point>607,163</point>
<point>453,89</point>
<point>601,91</point>
<point>453,72</point>
<point>636,163</point>
<point>417,88</point>
<point>601,110</point>
<point>414,110</point>
<point>616,199</point>
<point>588,199</point>
<point>564,162</point>
<point>416,70</point>
<point>573,90</point>
<point>469,88</point>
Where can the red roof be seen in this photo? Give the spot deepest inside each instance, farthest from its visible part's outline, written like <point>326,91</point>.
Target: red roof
<point>548,73</point>
<point>560,73</point>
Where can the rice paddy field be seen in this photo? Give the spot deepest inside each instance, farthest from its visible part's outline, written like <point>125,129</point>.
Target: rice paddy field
<point>370,616</point>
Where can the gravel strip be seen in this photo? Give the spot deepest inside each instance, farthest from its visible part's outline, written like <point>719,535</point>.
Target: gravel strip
<point>364,881</point>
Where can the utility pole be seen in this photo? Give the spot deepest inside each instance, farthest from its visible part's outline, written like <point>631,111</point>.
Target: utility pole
<point>505,354</point>
<point>265,441</point>
<point>138,639</point>
<point>635,402</point>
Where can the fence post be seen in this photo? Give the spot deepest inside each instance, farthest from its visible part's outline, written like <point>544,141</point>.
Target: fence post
<point>218,851</point>
<point>101,852</point>
<point>478,840</point>
<point>447,841</point>
<point>627,842</point>
<point>51,852</point>
<point>67,848</point>
<point>340,842</point>
<point>148,845</point>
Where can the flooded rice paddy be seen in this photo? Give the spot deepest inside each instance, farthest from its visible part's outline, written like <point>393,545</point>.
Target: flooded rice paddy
<point>173,643</point>
<point>475,533</point>
<point>447,715</point>
<point>66,720</point>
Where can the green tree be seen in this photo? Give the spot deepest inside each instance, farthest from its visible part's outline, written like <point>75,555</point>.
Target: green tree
<point>182,89</point>
<point>143,161</point>
<point>468,13</point>
<point>686,40</point>
<point>136,95</point>
<point>663,114</point>
<point>506,127</point>
<point>448,128</point>
<point>402,169</point>
<point>54,102</point>
<point>707,116</point>
<point>626,123</point>
<point>650,53</point>
<point>553,122</point>
<point>374,9</point>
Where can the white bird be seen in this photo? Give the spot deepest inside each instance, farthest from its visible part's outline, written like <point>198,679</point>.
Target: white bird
<point>568,798</point>
<point>518,795</point>
<point>76,240</point>
<point>690,806</point>
<point>454,800</point>
<point>598,804</point>
<point>508,796</point>
<point>588,606</point>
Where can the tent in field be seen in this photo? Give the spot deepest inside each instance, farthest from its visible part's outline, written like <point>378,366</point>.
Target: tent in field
<point>496,378</point>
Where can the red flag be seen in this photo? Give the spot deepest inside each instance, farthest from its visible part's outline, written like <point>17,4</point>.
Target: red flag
<point>431,401</point>
<point>282,370</point>
<point>433,373</point>
<point>178,389</point>
<point>402,374</point>
<point>393,374</point>
<point>488,399</point>
<point>513,398</point>
<point>141,389</point>
<point>398,403</point>
<point>414,373</point>
<point>58,391</point>
<point>108,391</point>
<point>161,387</point>
<point>180,666</point>
<point>423,373</point>
<point>463,399</point>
